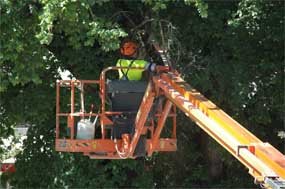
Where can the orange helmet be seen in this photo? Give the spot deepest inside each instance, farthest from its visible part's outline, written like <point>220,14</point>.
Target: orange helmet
<point>128,48</point>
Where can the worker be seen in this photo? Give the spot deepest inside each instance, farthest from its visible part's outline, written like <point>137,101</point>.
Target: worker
<point>129,52</point>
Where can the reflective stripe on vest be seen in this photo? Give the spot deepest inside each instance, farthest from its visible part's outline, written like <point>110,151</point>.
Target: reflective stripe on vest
<point>132,74</point>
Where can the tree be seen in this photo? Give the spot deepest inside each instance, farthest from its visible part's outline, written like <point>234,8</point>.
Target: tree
<point>236,58</point>
<point>231,51</point>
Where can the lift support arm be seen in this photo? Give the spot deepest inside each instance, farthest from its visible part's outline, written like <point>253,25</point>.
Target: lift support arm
<point>265,163</point>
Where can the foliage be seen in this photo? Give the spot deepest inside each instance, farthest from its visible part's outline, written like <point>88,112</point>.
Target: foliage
<point>11,146</point>
<point>238,63</point>
<point>233,52</point>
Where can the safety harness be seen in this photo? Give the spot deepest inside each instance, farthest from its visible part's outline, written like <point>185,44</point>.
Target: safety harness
<point>125,75</point>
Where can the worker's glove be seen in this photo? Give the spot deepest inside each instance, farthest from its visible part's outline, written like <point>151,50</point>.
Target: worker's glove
<point>162,68</point>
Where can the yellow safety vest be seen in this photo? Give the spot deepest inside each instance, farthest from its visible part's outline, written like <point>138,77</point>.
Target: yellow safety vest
<point>132,74</point>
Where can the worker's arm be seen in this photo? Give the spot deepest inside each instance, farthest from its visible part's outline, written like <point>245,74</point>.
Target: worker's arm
<point>152,67</point>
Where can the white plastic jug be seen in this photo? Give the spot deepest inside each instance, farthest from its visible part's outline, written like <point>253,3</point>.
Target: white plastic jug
<point>85,129</point>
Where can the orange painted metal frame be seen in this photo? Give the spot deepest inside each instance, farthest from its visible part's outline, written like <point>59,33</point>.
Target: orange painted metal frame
<point>104,147</point>
<point>142,116</point>
<point>159,128</point>
<point>262,159</point>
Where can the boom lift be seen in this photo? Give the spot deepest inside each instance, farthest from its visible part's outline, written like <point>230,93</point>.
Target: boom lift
<point>132,116</point>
